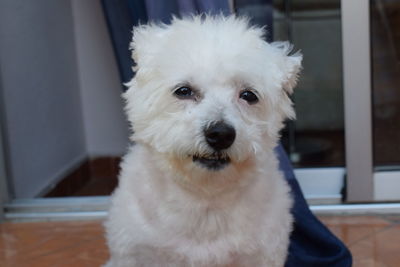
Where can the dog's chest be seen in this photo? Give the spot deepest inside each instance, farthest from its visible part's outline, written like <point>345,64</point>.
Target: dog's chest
<point>206,232</point>
<point>207,221</point>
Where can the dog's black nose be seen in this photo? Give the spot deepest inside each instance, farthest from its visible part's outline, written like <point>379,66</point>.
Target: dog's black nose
<point>220,135</point>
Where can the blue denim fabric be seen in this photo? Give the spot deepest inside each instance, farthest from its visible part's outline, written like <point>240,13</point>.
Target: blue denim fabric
<point>311,243</point>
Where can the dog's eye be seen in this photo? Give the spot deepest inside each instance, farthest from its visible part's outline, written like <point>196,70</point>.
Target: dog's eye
<point>184,92</point>
<point>249,96</point>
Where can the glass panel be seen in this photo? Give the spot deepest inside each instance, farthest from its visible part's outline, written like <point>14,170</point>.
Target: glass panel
<point>316,138</point>
<point>385,40</point>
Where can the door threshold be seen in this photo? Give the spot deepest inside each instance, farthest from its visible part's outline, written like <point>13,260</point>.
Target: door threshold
<point>95,208</point>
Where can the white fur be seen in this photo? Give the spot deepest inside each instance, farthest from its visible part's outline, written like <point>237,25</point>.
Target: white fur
<point>170,211</point>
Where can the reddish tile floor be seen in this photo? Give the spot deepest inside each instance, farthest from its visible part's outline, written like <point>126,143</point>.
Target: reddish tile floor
<point>374,242</point>
<point>52,244</point>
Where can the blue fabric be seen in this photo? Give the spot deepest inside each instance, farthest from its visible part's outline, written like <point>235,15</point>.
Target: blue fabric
<point>121,16</point>
<point>163,10</point>
<point>311,243</point>
<point>260,13</point>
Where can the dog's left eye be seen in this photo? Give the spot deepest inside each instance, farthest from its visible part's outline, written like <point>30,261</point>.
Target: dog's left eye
<point>249,96</point>
<point>184,92</point>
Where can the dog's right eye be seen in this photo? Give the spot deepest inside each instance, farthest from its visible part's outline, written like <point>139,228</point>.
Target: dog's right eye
<point>249,96</point>
<point>184,92</point>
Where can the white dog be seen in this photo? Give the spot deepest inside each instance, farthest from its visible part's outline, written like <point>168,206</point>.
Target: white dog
<point>201,185</point>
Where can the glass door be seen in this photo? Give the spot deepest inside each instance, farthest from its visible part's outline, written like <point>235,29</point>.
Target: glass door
<point>345,143</point>
<point>315,141</point>
<point>385,55</point>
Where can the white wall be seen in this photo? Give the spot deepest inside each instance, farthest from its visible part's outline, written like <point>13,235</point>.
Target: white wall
<point>41,107</point>
<point>60,87</point>
<point>106,130</point>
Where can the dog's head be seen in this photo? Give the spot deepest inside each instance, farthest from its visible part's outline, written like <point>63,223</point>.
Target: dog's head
<point>209,92</point>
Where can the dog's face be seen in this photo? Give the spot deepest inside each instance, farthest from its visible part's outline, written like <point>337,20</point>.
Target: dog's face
<point>209,93</point>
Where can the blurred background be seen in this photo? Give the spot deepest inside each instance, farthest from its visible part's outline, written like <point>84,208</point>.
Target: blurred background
<point>63,64</point>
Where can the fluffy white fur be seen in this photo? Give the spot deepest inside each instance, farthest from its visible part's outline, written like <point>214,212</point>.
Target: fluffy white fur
<point>171,211</point>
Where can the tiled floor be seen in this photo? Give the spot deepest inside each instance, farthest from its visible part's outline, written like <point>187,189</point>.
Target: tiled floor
<point>374,242</point>
<point>52,244</point>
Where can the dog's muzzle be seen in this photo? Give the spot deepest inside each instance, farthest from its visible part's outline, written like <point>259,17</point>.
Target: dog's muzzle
<point>219,136</point>
<point>213,162</point>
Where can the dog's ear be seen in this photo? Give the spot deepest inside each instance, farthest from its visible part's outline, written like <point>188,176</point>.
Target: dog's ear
<point>291,65</point>
<point>145,42</point>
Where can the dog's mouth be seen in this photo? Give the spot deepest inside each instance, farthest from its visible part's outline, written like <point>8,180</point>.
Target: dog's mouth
<point>213,162</point>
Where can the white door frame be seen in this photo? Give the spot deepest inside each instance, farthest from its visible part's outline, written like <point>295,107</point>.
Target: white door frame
<point>358,171</point>
<point>364,184</point>
<point>357,99</point>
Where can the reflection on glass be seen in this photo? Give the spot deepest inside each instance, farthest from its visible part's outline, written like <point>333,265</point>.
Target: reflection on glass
<point>316,138</point>
<point>385,40</point>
